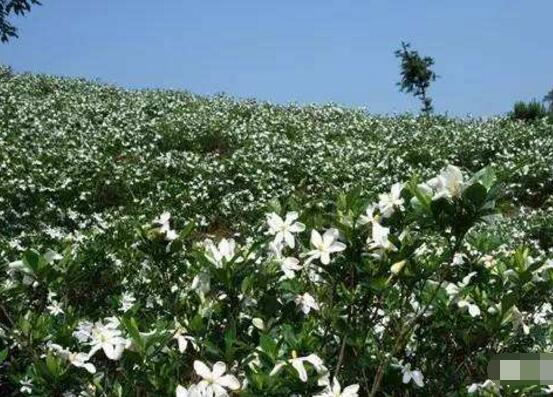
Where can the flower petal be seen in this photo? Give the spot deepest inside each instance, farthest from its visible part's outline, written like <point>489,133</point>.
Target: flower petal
<point>219,369</point>
<point>202,369</point>
<point>229,381</point>
<point>298,365</point>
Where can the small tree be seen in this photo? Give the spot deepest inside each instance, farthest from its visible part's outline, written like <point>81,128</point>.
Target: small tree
<point>548,99</point>
<point>12,7</point>
<point>416,75</point>
<point>528,112</point>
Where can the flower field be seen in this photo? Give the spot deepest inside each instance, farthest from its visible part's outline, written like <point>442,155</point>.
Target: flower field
<point>158,243</point>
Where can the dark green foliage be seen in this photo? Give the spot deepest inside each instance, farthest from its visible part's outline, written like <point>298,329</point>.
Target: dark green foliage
<point>548,99</point>
<point>530,111</point>
<point>9,8</point>
<point>416,75</point>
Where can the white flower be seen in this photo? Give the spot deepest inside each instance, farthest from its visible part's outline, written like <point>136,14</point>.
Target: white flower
<point>458,259</point>
<point>448,184</point>
<point>163,219</point>
<point>369,215</point>
<point>106,337</point>
<point>83,333</point>
<point>396,267</point>
<point>336,391</point>
<point>192,391</point>
<point>54,308</point>
<point>79,360</point>
<point>181,391</point>
<point>283,229</point>
<point>518,320</point>
<point>183,339</point>
<point>389,202</point>
<point>474,310</point>
<point>454,289</point>
<point>258,323</point>
<point>540,317</point>
<point>414,375</point>
<point>19,267</point>
<point>214,381</point>
<point>127,301</point>
<point>476,387</point>
<point>163,222</point>
<point>26,386</point>
<point>323,246</point>
<point>379,240</point>
<point>298,364</point>
<point>52,256</point>
<point>201,283</point>
<point>224,251</point>
<point>289,266</point>
<point>306,303</point>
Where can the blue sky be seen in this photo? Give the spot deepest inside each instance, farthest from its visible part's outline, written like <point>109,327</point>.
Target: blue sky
<point>488,53</point>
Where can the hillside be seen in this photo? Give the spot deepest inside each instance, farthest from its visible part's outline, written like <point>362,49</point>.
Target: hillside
<point>86,148</point>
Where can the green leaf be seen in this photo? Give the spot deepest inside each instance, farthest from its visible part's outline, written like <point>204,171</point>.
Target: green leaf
<point>189,228</point>
<point>475,194</point>
<point>268,345</point>
<point>508,301</point>
<point>31,259</point>
<point>53,365</point>
<point>275,206</point>
<point>422,197</point>
<point>442,210</point>
<point>132,328</point>
<point>378,284</point>
<point>196,324</point>
<point>486,177</point>
<point>3,355</point>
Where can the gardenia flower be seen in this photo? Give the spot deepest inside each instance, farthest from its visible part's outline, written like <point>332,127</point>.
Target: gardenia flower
<point>323,246</point>
<point>225,250</point>
<point>127,301</point>
<point>540,317</point>
<point>106,337</point>
<point>163,222</point>
<point>183,339</point>
<point>306,303</point>
<point>78,360</point>
<point>414,375</point>
<point>336,391</point>
<point>298,364</point>
<point>474,310</point>
<point>476,387</point>
<point>379,240</point>
<point>288,265</point>
<point>369,216</point>
<point>54,308</point>
<point>389,202</point>
<point>453,289</point>
<point>448,184</point>
<point>283,229</point>
<point>518,320</point>
<point>192,391</point>
<point>201,283</point>
<point>214,381</point>
<point>18,267</point>
<point>26,385</point>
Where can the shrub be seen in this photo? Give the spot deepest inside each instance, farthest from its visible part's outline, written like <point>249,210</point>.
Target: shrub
<point>530,111</point>
<point>384,298</point>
